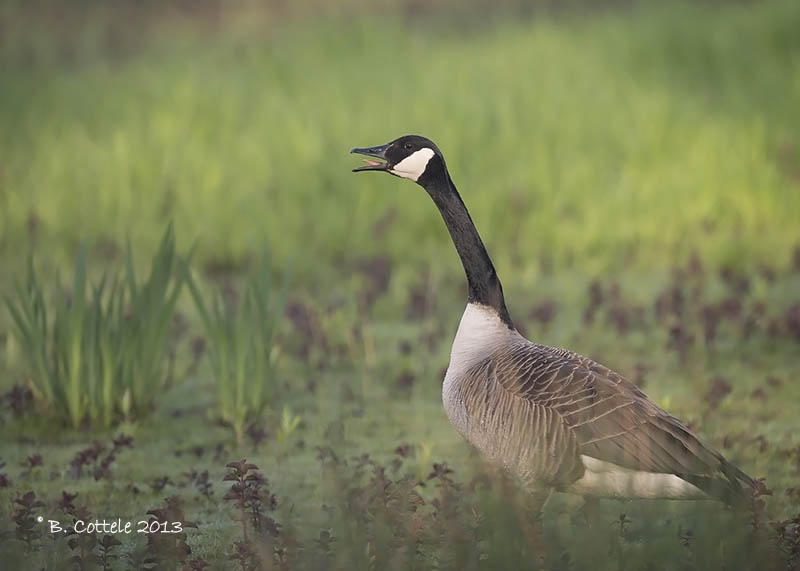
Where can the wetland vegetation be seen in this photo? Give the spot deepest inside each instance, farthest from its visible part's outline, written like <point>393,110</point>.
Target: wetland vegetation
<point>208,320</point>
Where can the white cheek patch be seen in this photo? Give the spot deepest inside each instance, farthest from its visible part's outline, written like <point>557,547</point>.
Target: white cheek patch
<point>413,165</point>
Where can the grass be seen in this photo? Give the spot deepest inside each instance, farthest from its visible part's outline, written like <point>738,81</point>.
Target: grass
<point>242,352</point>
<point>591,123</point>
<point>106,357</point>
<point>634,173</point>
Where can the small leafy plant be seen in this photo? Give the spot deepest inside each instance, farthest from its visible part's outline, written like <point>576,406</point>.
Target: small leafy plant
<point>82,546</point>
<point>25,519</point>
<point>107,546</point>
<point>167,546</point>
<point>200,480</point>
<point>250,493</point>
<point>241,345</point>
<point>102,356</point>
<point>94,455</point>
<point>251,496</point>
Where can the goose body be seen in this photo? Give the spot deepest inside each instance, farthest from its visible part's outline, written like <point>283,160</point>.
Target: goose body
<point>557,420</point>
<point>560,420</point>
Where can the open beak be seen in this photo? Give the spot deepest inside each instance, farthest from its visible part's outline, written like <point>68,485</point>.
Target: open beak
<point>378,152</point>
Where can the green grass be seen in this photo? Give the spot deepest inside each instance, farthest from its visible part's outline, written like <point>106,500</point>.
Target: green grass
<point>103,355</point>
<point>611,144</point>
<point>675,127</point>
<point>242,353</point>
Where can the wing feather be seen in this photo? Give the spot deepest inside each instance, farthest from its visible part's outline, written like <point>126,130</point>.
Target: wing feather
<point>611,419</point>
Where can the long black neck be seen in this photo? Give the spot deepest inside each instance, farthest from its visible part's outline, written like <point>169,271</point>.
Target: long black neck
<point>484,285</point>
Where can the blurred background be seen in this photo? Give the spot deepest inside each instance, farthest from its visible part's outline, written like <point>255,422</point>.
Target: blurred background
<point>633,167</point>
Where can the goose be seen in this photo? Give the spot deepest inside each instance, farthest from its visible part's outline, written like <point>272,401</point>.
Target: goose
<point>555,419</point>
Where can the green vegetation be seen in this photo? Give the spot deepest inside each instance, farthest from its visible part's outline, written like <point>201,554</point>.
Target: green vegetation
<point>104,358</point>
<point>634,171</point>
<point>240,334</point>
<point>679,137</point>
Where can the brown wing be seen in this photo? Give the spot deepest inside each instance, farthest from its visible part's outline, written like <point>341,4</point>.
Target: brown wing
<point>611,418</point>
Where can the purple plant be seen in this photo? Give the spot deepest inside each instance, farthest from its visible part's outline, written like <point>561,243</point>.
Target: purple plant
<point>24,519</point>
<point>250,493</point>
<point>166,542</point>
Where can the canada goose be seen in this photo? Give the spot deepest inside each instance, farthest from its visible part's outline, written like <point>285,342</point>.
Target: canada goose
<point>556,419</point>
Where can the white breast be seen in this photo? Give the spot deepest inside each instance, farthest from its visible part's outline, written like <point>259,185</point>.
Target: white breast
<point>480,333</point>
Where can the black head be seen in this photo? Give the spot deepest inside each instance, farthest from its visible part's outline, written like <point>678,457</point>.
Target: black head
<point>410,156</point>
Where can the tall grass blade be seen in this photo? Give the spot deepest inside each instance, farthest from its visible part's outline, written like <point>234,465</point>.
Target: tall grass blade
<point>241,344</point>
<point>100,355</point>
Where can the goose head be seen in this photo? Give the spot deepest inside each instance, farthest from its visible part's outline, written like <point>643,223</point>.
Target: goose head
<point>410,156</point>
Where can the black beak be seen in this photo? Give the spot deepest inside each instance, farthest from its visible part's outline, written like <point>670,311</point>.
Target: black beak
<point>378,152</point>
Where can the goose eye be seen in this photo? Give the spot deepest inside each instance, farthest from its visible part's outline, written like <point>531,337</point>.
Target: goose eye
<point>408,146</point>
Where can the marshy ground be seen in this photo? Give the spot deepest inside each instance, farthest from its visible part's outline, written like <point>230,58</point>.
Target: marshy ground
<point>634,171</point>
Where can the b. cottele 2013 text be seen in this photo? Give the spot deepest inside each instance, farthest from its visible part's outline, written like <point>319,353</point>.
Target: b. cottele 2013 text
<point>117,526</point>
